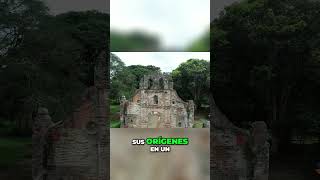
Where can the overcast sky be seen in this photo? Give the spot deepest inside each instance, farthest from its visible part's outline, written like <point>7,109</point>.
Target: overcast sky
<point>176,22</point>
<point>167,61</point>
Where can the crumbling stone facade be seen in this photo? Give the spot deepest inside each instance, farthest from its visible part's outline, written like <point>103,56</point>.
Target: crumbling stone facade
<point>76,148</point>
<point>237,154</point>
<point>156,105</point>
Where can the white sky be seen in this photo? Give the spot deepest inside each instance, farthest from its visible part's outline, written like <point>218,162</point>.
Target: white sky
<point>167,61</point>
<point>176,22</point>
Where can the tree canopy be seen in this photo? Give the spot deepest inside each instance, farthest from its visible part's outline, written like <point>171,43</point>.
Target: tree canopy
<point>42,65</point>
<point>266,64</point>
<point>125,79</point>
<point>192,81</point>
<point>133,41</point>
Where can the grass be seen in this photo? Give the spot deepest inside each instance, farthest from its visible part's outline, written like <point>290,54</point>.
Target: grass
<point>114,109</point>
<point>115,124</point>
<point>13,150</point>
<point>198,124</point>
<point>114,116</point>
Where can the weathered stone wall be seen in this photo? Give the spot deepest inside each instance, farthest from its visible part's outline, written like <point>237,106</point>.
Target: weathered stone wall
<point>85,111</point>
<point>237,154</point>
<point>40,129</point>
<point>230,155</point>
<point>73,153</point>
<point>156,105</point>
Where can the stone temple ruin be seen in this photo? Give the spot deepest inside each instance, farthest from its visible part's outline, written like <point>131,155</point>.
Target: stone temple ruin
<point>156,105</point>
<point>75,148</point>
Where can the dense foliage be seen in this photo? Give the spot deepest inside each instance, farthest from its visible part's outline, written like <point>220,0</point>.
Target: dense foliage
<point>201,44</point>
<point>266,64</point>
<point>42,65</point>
<point>134,41</point>
<point>191,79</point>
<point>143,41</point>
<point>125,79</point>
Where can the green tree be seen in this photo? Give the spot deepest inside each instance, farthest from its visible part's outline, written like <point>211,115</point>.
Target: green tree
<point>191,80</point>
<point>139,71</point>
<point>263,55</point>
<point>122,80</point>
<point>125,79</point>
<point>134,41</point>
<point>201,44</point>
<point>16,19</point>
<point>90,29</point>
<point>116,65</point>
<point>49,66</point>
